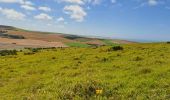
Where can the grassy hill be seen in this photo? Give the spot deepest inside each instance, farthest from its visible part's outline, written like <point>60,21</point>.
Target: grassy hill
<point>129,72</point>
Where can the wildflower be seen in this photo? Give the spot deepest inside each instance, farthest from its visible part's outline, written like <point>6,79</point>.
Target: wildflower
<point>99,91</point>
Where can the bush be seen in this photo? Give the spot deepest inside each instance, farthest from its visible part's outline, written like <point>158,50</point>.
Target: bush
<point>29,53</point>
<point>115,48</point>
<point>168,42</point>
<point>8,52</point>
<point>35,49</point>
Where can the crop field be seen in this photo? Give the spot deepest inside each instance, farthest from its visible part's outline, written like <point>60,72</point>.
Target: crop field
<point>126,72</point>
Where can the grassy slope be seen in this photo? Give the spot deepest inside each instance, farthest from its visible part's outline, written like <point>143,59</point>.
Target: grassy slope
<point>77,44</point>
<point>108,42</point>
<point>140,71</point>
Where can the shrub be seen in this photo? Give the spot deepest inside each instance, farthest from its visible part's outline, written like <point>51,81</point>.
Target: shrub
<point>168,42</point>
<point>115,48</point>
<point>35,49</point>
<point>29,53</point>
<point>52,48</point>
<point>8,52</point>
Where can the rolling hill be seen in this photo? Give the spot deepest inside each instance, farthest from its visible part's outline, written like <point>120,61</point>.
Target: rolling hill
<point>12,37</point>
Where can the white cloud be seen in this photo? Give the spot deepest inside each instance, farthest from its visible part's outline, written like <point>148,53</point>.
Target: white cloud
<point>43,16</point>
<point>28,3</point>
<point>147,3</point>
<point>73,1</point>
<point>11,1</point>
<point>28,7</point>
<point>76,12</point>
<point>25,2</point>
<point>12,14</point>
<point>43,8</point>
<point>152,2</point>
<point>94,2</point>
<point>80,2</point>
<point>60,19</point>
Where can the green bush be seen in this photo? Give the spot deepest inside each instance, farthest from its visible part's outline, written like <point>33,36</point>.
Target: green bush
<point>29,53</point>
<point>168,42</point>
<point>8,52</point>
<point>115,48</point>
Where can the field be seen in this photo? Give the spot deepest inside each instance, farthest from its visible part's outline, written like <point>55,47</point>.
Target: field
<point>77,45</point>
<point>12,37</point>
<point>126,72</point>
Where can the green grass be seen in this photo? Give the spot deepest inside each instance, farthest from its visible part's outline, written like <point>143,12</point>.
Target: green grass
<point>77,45</point>
<point>108,42</point>
<point>138,72</point>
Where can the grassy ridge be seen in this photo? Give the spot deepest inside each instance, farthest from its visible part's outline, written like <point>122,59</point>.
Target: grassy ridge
<point>140,71</point>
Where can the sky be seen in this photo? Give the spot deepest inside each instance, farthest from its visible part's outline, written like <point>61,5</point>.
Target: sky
<point>122,19</point>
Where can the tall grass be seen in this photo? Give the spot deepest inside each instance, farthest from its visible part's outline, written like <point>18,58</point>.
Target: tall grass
<point>135,72</point>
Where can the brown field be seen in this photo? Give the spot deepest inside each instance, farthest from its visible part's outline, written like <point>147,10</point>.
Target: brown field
<point>41,36</point>
<point>20,43</point>
<point>44,39</point>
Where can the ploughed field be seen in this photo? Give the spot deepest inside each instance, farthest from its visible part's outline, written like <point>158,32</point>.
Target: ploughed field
<point>132,71</point>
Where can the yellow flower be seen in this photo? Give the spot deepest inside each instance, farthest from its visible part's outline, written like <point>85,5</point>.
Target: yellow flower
<point>99,91</point>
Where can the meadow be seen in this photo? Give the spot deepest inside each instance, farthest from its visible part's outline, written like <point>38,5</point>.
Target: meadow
<point>126,72</point>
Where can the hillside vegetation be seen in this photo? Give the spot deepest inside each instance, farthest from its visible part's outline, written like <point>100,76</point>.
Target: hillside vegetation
<point>127,72</point>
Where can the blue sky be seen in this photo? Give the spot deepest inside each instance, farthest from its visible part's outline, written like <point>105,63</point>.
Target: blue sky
<point>125,19</point>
